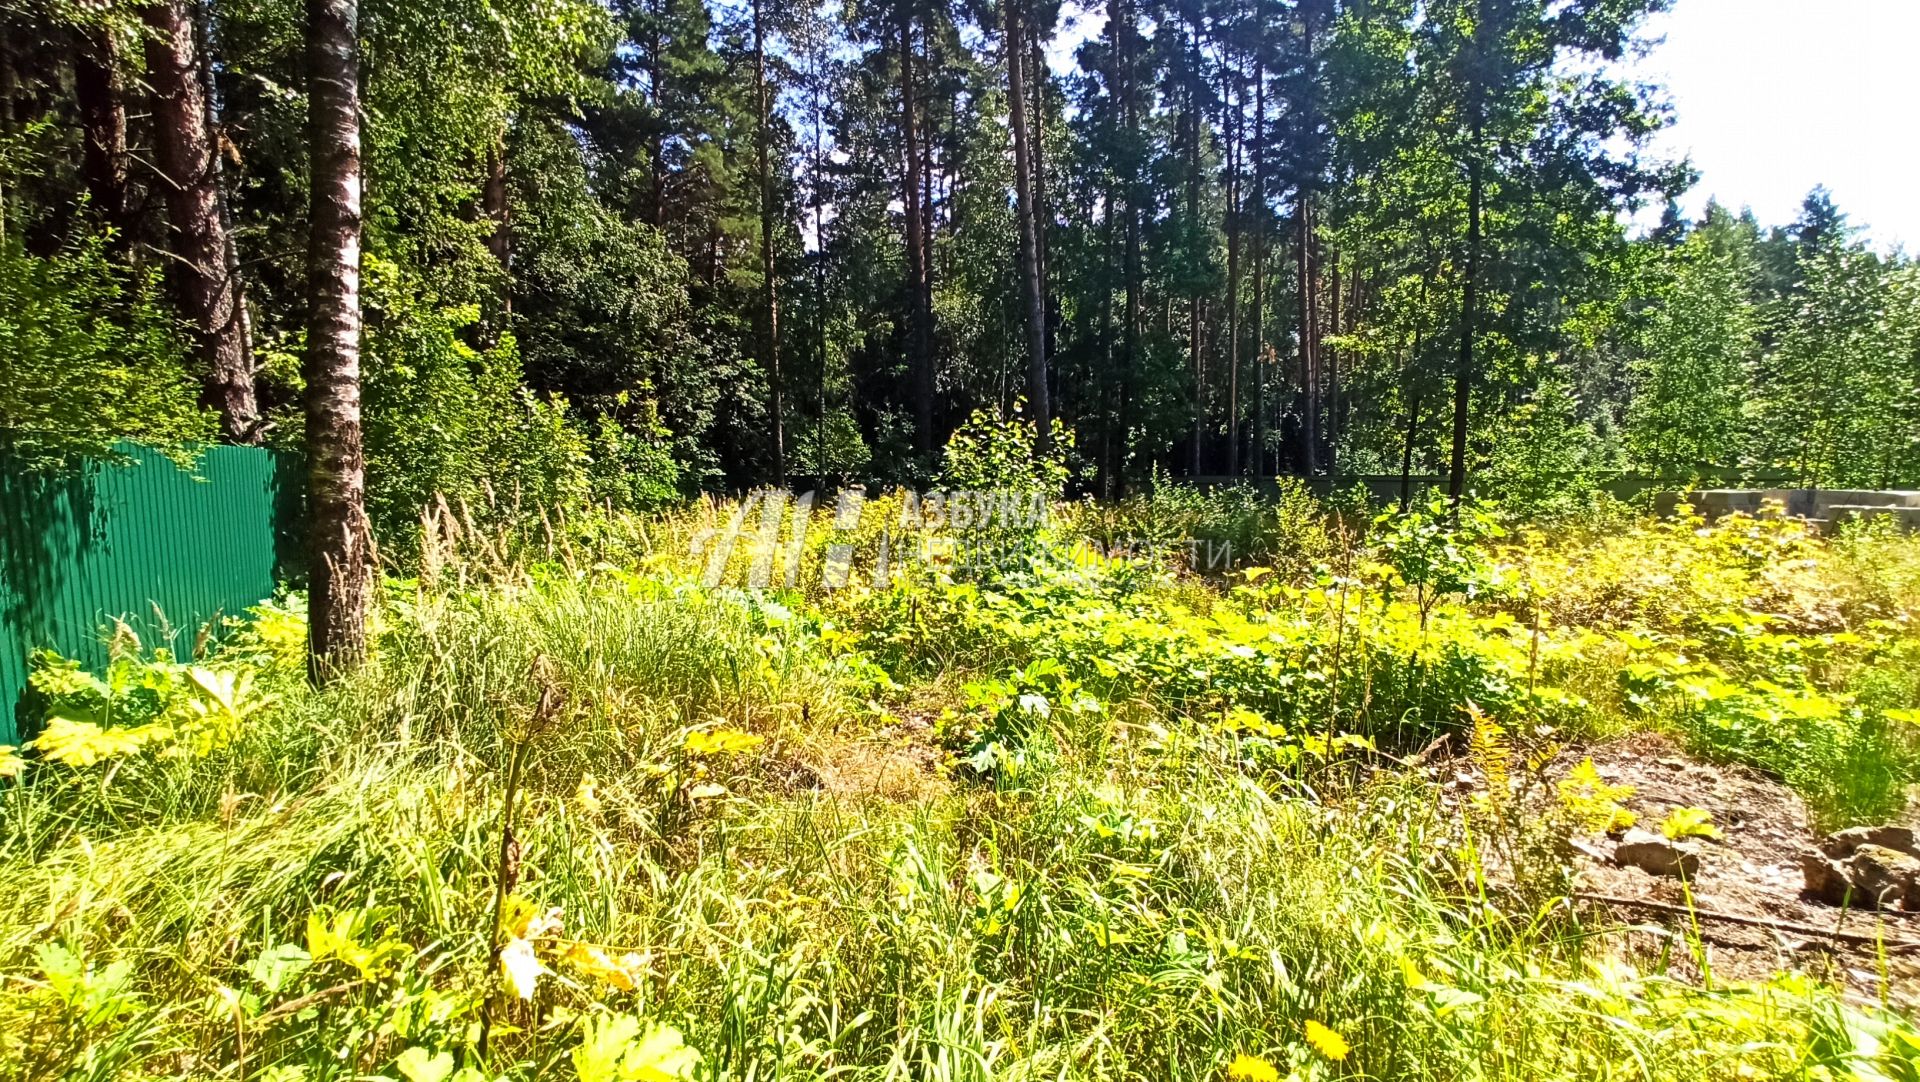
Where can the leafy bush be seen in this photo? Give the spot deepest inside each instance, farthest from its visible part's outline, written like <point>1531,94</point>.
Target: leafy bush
<point>991,453</point>
<point>1220,528</point>
<point>89,357</point>
<point>1546,456</point>
<point>632,465</point>
<point>444,419</point>
<point>1439,550</point>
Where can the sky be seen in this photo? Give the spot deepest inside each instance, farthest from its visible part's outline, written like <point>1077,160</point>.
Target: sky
<point>1772,97</point>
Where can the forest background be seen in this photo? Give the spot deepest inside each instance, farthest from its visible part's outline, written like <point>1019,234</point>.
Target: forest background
<point>630,250</point>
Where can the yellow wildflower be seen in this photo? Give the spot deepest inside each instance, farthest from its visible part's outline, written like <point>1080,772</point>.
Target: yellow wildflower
<point>1252,1068</point>
<point>1326,1041</point>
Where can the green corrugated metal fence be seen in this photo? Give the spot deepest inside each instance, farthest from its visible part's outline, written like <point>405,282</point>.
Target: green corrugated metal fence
<point>160,547</point>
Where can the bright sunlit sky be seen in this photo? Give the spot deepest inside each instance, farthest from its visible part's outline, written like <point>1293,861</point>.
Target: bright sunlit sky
<point>1775,96</point>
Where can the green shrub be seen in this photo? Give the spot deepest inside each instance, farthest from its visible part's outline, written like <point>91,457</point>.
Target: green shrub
<point>89,356</point>
<point>992,453</point>
<point>444,419</point>
<point>1228,526</point>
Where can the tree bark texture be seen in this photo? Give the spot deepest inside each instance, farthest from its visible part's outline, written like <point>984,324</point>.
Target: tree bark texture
<point>100,91</point>
<point>341,546</point>
<point>203,271</point>
<point>769,264</point>
<point>918,274</point>
<point>1469,327</point>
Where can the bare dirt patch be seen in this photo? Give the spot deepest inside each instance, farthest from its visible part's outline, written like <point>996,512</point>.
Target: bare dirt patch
<point>1745,907</point>
<point>899,762</point>
<point>895,771</point>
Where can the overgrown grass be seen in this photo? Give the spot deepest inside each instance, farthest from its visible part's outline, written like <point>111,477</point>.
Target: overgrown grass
<point>1167,834</point>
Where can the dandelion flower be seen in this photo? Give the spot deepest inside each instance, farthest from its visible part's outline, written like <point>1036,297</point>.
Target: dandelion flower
<point>1252,1068</point>
<point>1326,1042</point>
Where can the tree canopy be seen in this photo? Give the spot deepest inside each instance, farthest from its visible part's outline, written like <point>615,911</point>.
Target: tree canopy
<point>642,247</point>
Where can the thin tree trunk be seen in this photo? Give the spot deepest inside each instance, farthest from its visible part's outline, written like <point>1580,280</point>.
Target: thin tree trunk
<point>100,92</point>
<point>769,265</point>
<point>917,270</point>
<point>1332,360</point>
<point>1306,262</point>
<point>7,85</point>
<point>206,284</point>
<point>1195,343</point>
<point>820,277</point>
<point>496,208</point>
<point>1131,261</point>
<point>1414,386</point>
<point>929,183</point>
<point>209,93</point>
<point>1261,353</point>
<point>341,545</point>
<point>1037,78</point>
<point>1406,447</point>
<point>1027,211</point>
<point>1309,370</point>
<point>1469,318</point>
<point>657,152</point>
<point>1194,346</point>
<point>1235,148</point>
<point>499,211</point>
<point>1105,376</point>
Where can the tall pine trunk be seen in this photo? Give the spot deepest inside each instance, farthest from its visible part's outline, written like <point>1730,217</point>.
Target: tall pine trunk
<point>820,286</point>
<point>1104,373</point>
<point>1196,355</point>
<point>1127,38</point>
<point>1261,353</point>
<point>1469,325</point>
<point>1309,335</point>
<point>341,548</point>
<point>656,91</point>
<point>1037,128</point>
<point>768,263</point>
<point>1026,209</point>
<point>918,274</point>
<point>1234,151</point>
<point>1314,384</point>
<point>204,271</point>
<point>1331,360</point>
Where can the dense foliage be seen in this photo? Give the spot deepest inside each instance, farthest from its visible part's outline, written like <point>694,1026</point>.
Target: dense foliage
<point>687,238</point>
<point>88,357</point>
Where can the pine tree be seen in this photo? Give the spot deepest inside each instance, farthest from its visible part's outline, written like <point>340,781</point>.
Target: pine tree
<point>1028,211</point>
<point>205,270</point>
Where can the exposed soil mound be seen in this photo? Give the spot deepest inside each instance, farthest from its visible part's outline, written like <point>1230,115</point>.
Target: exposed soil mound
<point>1747,901</point>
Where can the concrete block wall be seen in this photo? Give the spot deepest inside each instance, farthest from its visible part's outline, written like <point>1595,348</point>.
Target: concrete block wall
<point>1821,506</point>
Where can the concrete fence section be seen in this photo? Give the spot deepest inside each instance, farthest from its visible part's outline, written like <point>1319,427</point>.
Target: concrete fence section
<point>1823,507</point>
